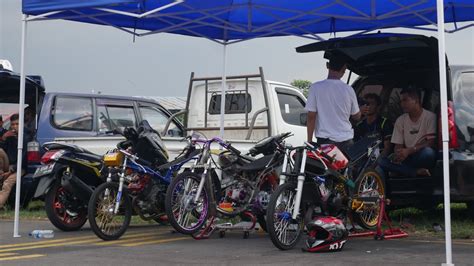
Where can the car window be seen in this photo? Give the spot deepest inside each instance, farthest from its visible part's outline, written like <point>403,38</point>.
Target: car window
<point>115,117</point>
<point>464,105</point>
<point>158,120</point>
<point>291,108</point>
<point>73,113</point>
<point>234,103</point>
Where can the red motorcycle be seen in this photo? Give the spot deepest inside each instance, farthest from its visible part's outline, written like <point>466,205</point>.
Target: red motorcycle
<point>322,180</point>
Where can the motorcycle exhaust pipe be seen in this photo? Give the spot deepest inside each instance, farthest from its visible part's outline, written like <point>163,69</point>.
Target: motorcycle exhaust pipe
<point>77,187</point>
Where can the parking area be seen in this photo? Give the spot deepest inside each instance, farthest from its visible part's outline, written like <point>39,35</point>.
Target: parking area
<point>159,245</point>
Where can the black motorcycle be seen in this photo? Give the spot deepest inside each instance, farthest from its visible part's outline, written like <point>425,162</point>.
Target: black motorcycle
<point>68,176</point>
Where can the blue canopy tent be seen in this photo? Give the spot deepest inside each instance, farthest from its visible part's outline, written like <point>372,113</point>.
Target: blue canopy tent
<point>227,22</point>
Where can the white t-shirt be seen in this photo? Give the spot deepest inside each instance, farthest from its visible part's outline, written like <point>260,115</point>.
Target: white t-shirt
<point>410,133</point>
<point>335,102</point>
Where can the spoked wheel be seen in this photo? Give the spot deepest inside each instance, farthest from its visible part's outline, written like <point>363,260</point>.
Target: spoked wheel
<point>105,223</point>
<point>65,211</point>
<point>184,214</point>
<point>284,231</point>
<point>369,184</point>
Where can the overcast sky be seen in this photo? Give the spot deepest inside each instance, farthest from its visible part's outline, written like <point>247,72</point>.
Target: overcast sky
<point>77,57</point>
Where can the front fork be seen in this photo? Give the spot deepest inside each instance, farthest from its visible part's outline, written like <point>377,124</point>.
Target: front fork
<point>284,168</point>
<point>299,186</point>
<point>203,180</point>
<point>120,190</point>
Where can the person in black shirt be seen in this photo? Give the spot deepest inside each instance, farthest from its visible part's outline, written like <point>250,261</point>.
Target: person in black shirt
<point>373,125</point>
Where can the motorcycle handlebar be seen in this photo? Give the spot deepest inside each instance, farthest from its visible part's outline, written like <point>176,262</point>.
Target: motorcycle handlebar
<point>232,149</point>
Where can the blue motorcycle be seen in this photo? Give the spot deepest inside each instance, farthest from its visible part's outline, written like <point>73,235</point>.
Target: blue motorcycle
<point>138,176</point>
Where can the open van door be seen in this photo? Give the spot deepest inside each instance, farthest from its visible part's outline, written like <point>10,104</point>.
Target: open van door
<point>10,91</point>
<point>372,53</point>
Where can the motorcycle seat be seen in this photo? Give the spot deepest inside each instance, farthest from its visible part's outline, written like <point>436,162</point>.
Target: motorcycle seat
<point>63,146</point>
<point>257,165</point>
<point>178,160</point>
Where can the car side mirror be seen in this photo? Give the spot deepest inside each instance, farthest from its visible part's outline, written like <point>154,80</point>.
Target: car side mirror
<point>303,118</point>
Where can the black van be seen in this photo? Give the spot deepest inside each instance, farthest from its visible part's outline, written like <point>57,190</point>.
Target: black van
<point>387,63</point>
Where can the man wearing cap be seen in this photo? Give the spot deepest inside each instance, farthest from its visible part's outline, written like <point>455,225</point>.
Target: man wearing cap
<point>331,104</point>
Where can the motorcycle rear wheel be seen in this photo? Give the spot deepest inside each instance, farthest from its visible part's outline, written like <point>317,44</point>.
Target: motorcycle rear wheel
<point>283,230</point>
<point>58,212</point>
<point>105,224</point>
<point>369,184</point>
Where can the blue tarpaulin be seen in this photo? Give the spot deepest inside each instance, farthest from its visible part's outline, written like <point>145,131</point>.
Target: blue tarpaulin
<point>226,20</point>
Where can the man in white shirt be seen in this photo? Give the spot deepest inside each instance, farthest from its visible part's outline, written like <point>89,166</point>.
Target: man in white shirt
<point>331,104</point>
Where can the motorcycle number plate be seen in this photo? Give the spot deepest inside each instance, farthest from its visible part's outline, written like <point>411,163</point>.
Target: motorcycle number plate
<point>44,170</point>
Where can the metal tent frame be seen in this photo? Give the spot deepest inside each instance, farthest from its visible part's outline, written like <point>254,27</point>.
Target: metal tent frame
<point>177,22</point>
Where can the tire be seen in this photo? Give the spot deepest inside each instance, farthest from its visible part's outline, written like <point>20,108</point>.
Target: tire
<point>371,184</point>
<point>59,214</point>
<point>99,208</point>
<point>286,192</point>
<point>194,217</point>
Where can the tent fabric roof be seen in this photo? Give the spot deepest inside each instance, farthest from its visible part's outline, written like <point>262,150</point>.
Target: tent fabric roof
<point>227,20</point>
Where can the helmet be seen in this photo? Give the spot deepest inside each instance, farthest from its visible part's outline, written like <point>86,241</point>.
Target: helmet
<point>326,234</point>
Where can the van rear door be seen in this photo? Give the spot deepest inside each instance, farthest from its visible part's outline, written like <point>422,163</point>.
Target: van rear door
<point>381,52</point>
<point>10,91</point>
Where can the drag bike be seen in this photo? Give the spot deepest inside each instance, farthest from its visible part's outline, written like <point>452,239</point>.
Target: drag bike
<point>320,180</point>
<point>199,196</point>
<point>139,173</point>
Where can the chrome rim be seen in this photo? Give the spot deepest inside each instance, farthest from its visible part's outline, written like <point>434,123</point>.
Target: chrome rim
<point>187,213</point>
<point>287,230</point>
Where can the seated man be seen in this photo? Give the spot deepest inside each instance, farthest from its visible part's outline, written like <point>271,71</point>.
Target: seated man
<point>414,138</point>
<point>373,125</point>
<point>9,145</point>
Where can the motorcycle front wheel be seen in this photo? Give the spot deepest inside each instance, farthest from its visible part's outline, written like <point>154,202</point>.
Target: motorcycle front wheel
<point>284,231</point>
<point>185,215</point>
<point>105,223</point>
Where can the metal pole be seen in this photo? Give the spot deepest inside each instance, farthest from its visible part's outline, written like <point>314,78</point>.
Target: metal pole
<point>444,126</point>
<point>223,89</point>
<point>21,126</point>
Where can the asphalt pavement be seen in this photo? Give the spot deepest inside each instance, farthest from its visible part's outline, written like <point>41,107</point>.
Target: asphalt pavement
<point>159,245</point>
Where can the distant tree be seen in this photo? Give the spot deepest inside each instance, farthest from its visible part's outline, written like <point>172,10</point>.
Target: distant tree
<point>303,85</point>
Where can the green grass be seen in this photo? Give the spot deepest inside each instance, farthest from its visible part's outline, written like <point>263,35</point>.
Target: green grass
<point>35,211</point>
<point>462,224</point>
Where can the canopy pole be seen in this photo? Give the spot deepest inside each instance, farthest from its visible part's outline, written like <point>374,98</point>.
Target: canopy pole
<point>223,88</point>
<point>445,131</point>
<point>21,126</point>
